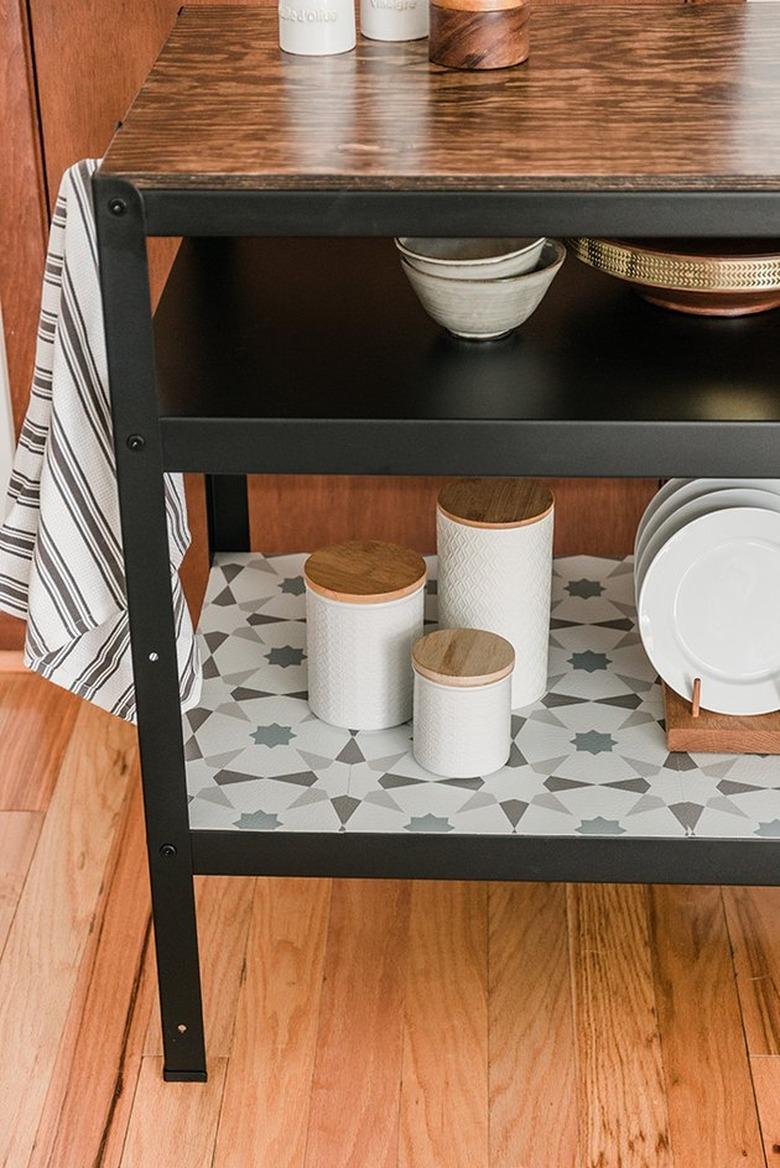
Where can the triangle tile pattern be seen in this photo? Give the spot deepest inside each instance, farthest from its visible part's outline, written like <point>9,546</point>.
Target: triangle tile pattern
<point>589,759</point>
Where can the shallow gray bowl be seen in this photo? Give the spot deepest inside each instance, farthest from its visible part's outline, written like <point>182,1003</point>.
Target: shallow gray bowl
<point>471,259</point>
<point>482,310</point>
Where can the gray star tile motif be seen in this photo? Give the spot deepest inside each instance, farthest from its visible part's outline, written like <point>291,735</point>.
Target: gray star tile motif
<point>584,588</point>
<point>594,742</point>
<point>428,823</point>
<point>285,655</point>
<point>600,826</point>
<point>589,661</point>
<point>589,759</point>
<point>258,821</point>
<point>273,735</point>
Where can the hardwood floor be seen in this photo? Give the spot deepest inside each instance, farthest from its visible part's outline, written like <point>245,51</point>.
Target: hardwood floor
<point>357,1024</point>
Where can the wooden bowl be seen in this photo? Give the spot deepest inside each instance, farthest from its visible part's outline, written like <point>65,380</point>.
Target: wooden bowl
<point>478,34</point>
<point>706,277</point>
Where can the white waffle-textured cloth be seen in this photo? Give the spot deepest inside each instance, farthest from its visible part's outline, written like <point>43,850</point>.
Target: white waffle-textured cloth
<point>61,563</point>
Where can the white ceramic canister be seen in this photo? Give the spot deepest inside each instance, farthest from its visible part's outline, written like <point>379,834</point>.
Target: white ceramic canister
<point>394,20</point>
<point>316,28</point>
<point>462,702</point>
<point>494,539</point>
<point>364,611</point>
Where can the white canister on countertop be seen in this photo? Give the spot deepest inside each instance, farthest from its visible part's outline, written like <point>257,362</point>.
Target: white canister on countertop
<point>364,611</point>
<point>494,539</point>
<point>462,702</point>
<point>394,20</point>
<point>316,28</point>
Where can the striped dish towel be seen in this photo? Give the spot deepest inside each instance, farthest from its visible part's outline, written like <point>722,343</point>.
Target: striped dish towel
<point>61,563</point>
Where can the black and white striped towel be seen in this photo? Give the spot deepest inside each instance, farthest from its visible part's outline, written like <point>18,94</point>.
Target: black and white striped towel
<point>60,546</point>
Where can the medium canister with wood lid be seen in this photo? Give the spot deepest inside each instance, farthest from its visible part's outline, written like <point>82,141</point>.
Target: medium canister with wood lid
<point>364,611</point>
<point>494,540</point>
<point>462,702</point>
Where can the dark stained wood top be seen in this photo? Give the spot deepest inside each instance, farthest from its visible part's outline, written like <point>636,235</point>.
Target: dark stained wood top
<point>612,97</point>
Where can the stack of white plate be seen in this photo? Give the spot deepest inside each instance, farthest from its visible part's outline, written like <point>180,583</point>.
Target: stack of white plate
<point>707,579</point>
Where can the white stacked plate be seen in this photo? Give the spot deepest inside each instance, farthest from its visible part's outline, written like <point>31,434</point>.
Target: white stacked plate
<point>707,579</point>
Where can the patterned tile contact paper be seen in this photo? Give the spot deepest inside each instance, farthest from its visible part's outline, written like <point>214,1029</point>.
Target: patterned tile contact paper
<point>589,759</point>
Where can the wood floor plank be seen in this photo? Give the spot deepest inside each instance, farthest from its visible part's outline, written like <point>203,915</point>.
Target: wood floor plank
<point>622,1091</point>
<point>712,1111</point>
<point>173,1124</point>
<point>129,1070</point>
<point>18,836</point>
<point>40,963</point>
<point>91,1058</point>
<point>533,1076</point>
<point>36,722</point>
<point>753,916</point>
<point>443,1116</point>
<point>122,1104</point>
<point>766,1082</point>
<point>266,1104</point>
<point>224,909</point>
<point>353,1119</point>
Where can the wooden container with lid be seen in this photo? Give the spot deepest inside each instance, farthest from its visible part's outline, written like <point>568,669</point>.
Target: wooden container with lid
<point>494,539</point>
<point>479,34</point>
<point>364,610</point>
<point>462,702</point>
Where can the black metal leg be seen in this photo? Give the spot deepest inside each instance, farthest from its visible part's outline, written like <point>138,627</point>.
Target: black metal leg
<point>129,341</point>
<point>227,510</point>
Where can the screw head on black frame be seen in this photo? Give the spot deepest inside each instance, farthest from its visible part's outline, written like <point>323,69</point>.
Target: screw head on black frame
<point>117,206</point>
<point>168,851</point>
<point>136,442</point>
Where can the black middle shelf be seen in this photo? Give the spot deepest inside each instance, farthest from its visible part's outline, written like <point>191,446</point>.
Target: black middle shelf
<point>313,355</point>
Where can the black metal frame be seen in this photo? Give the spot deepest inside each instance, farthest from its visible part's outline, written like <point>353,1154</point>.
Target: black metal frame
<point>146,445</point>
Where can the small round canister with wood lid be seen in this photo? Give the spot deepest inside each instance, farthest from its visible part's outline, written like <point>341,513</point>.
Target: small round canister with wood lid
<point>494,539</point>
<point>364,611</point>
<point>479,34</point>
<point>462,702</point>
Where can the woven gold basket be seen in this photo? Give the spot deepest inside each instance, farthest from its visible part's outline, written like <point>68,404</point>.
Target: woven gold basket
<point>705,277</point>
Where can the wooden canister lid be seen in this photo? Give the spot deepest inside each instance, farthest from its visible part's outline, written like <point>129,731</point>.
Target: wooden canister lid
<point>464,657</point>
<point>365,572</point>
<point>479,5</point>
<point>496,502</point>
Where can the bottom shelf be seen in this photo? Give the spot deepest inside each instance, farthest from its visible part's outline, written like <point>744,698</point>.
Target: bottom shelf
<point>589,760</point>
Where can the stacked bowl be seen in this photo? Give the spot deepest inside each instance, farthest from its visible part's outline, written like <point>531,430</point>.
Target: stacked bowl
<point>707,582</point>
<point>480,289</point>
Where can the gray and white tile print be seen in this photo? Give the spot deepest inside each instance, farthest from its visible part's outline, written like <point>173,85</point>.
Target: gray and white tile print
<point>589,759</point>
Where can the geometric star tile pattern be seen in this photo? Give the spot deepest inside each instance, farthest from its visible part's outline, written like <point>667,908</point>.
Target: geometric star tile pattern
<point>589,759</point>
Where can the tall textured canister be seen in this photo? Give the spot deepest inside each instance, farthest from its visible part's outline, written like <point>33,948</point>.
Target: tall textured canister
<point>364,611</point>
<point>494,540</point>
<point>462,702</point>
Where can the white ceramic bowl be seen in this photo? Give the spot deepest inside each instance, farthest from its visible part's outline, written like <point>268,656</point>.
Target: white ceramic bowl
<point>482,310</point>
<point>471,259</point>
